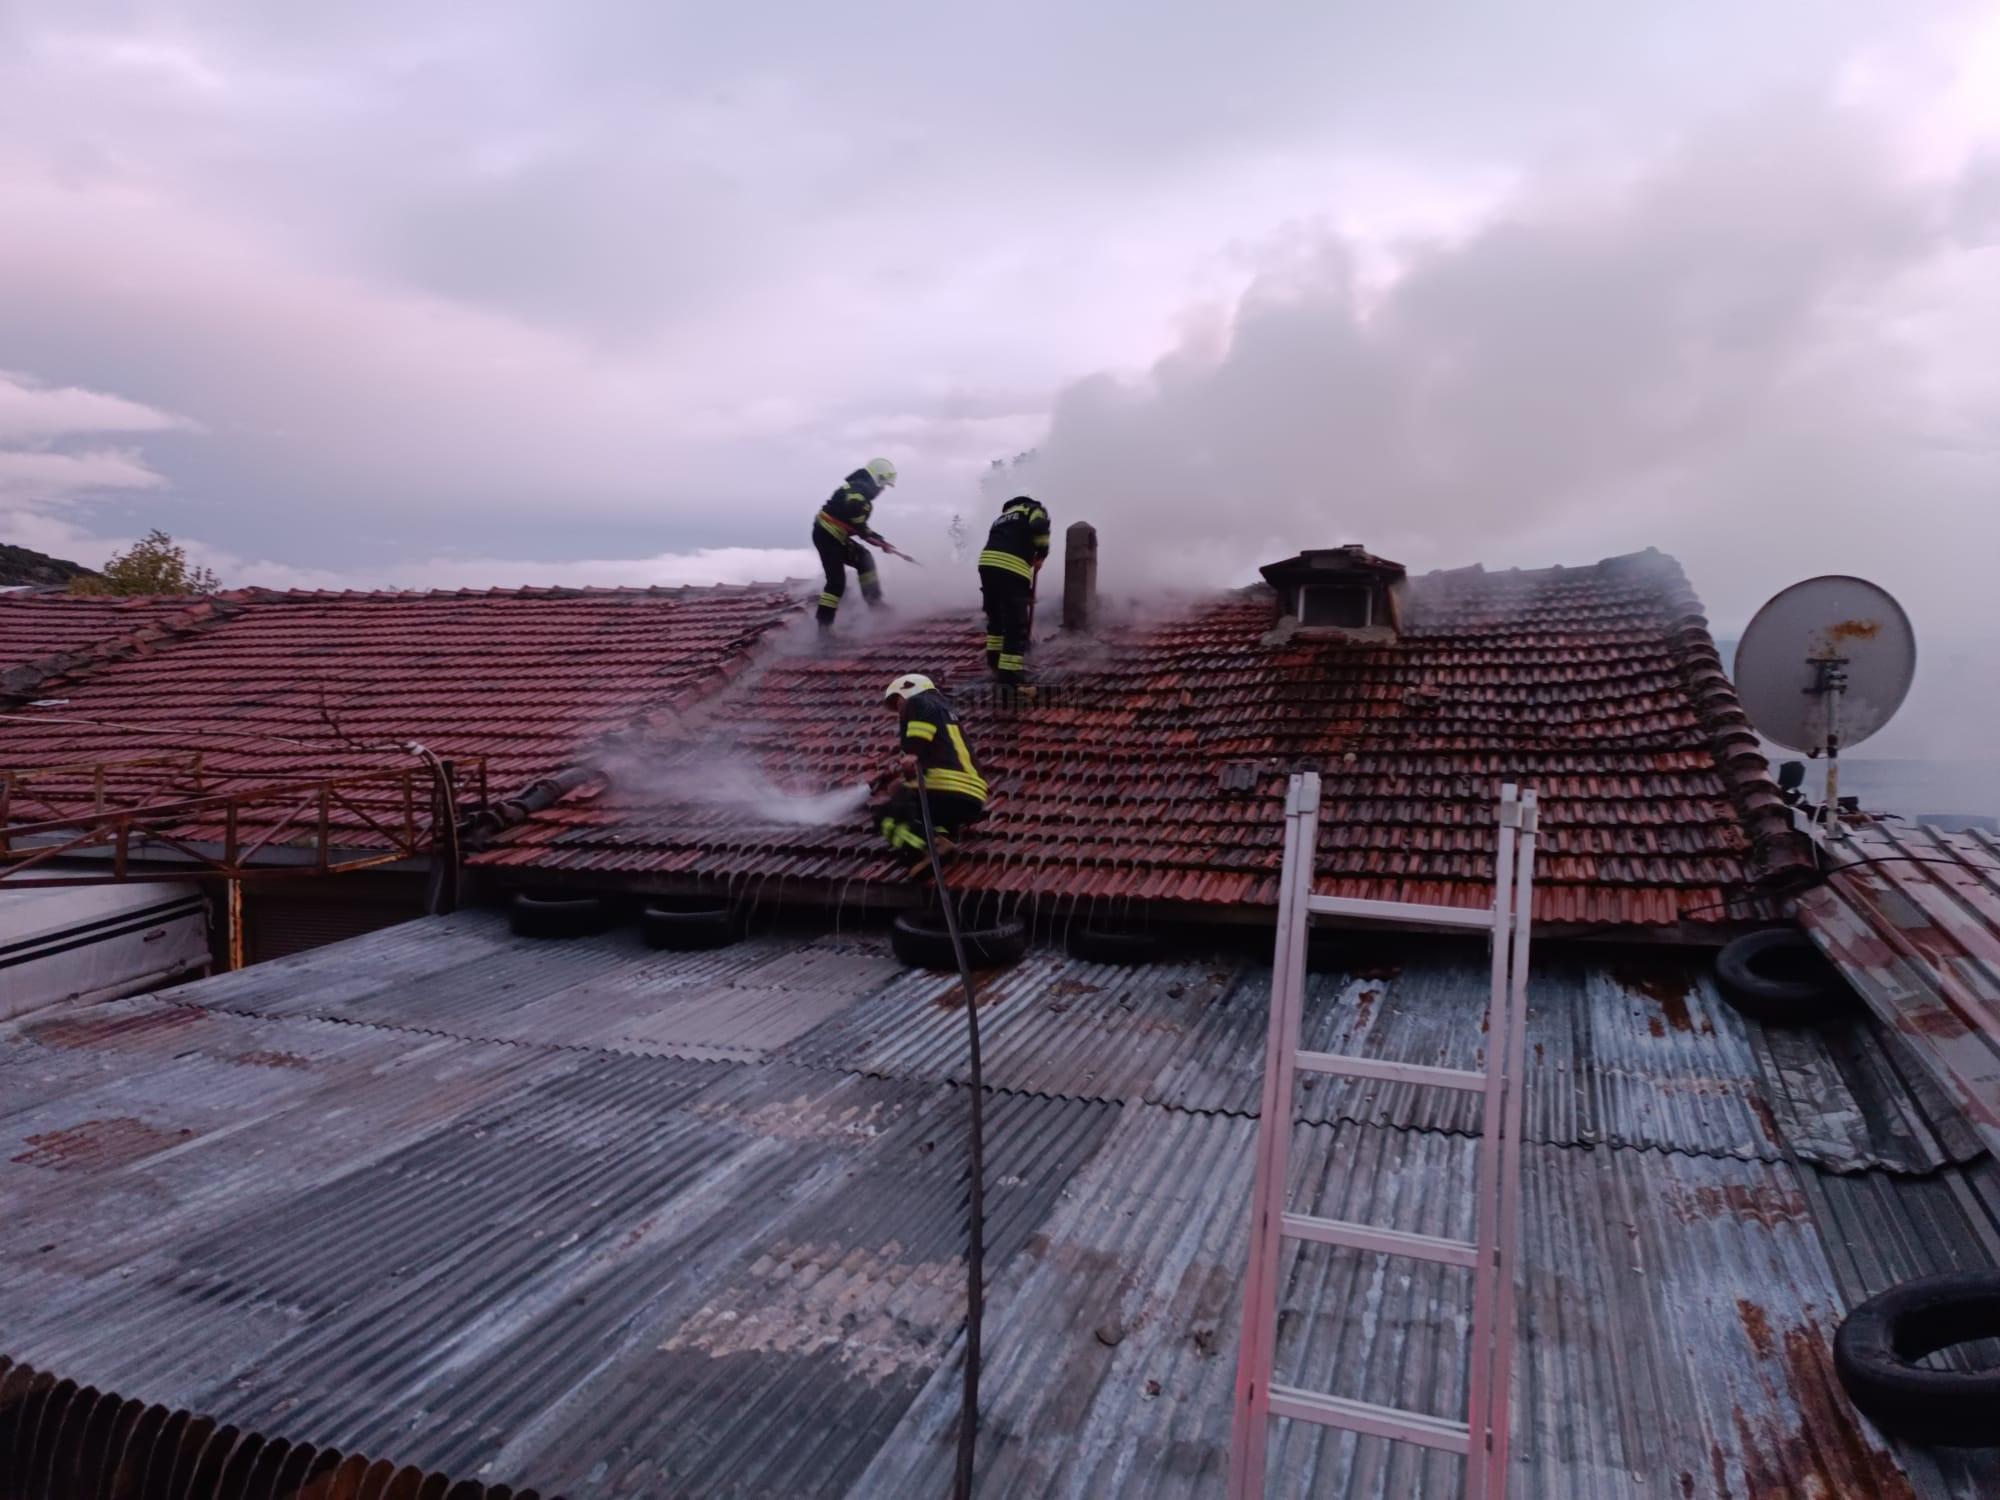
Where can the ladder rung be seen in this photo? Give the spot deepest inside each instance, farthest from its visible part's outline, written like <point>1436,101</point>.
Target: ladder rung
<point>1478,918</point>
<point>1420,1074</point>
<point>1385,1241</point>
<point>1376,1421</point>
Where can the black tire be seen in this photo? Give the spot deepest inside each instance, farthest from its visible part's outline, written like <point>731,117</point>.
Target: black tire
<point>690,927</point>
<point>923,943</point>
<point>1879,1343</point>
<point>1777,976</point>
<point>1097,946</point>
<point>558,916</point>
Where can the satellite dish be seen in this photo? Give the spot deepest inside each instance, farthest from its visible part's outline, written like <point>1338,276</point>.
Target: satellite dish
<point>1825,664</point>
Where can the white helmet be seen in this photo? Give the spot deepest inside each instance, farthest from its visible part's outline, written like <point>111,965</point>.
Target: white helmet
<point>908,686</point>
<point>882,471</point>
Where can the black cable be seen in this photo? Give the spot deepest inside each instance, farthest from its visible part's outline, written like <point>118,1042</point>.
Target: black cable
<point>975,1257</point>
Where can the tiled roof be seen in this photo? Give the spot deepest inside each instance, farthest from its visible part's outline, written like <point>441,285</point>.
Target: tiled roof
<point>1153,767</point>
<point>38,626</point>
<point>309,684</point>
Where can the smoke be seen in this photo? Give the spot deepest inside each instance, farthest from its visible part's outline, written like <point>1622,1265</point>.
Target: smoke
<point>1714,341</point>
<point>718,778</point>
<point>1764,352</point>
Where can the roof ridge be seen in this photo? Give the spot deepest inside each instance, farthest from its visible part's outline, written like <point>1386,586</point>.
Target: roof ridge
<point>605,592</point>
<point>26,681</point>
<point>1776,847</point>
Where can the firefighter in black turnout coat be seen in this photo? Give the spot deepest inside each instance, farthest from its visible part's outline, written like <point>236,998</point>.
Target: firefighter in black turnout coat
<point>933,748</point>
<point>1016,547</point>
<point>840,529</point>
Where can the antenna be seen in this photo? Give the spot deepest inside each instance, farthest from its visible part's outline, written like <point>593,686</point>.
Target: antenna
<point>1823,665</point>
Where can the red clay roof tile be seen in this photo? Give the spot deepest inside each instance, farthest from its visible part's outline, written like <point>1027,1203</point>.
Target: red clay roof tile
<point>1579,681</point>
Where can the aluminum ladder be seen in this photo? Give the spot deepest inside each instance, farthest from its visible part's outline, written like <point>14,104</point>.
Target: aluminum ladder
<point>1482,1436</point>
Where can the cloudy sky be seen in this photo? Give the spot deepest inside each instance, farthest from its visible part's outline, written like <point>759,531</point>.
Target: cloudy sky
<point>498,293</point>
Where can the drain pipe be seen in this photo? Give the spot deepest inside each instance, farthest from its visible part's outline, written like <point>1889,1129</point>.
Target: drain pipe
<point>536,796</point>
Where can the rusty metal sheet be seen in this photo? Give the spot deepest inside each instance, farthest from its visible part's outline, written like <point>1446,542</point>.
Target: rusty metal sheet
<point>1677,1316</point>
<point>72,1444</point>
<point>505,1250</point>
<point>1913,921</point>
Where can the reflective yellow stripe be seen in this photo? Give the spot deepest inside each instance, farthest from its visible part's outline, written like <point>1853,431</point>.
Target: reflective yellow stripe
<point>900,835</point>
<point>917,729</point>
<point>1005,561</point>
<point>837,528</point>
<point>829,601</point>
<point>1042,541</point>
<point>995,642</point>
<point>1009,663</point>
<point>956,781</point>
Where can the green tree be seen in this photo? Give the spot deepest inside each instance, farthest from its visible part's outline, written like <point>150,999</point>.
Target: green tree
<point>155,564</point>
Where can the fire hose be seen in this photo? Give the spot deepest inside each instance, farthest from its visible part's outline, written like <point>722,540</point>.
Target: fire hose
<point>975,1255</point>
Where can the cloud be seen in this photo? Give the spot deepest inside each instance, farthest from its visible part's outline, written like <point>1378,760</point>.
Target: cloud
<point>590,290</point>
<point>44,471</point>
<point>38,477</point>
<point>664,570</point>
<point>30,411</point>
<point>1755,341</point>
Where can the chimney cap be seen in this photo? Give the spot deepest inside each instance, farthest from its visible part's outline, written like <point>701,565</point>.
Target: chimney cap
<point>1351,562</point>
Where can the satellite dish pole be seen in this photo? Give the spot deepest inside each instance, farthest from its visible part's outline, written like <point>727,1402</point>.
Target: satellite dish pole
<point>1830,683</point>
<point>1822,666</point>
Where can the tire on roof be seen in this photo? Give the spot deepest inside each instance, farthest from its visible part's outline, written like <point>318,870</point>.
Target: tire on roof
<point>557,916</point>
<point>1779,977</point>
<point>922,942</point>
<point>1877,1349</point>
<point>690,925</point>
<point>1099,945</point>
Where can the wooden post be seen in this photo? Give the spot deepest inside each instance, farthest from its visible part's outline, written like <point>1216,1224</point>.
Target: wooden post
<point>234,920</point>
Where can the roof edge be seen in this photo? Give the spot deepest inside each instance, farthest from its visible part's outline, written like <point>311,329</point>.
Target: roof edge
<point>1777,848</point>
<point>607,593</point>
<point>25,682</point>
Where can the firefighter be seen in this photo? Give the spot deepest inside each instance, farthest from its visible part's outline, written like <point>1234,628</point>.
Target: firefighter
<point>839,530</point>
<point>1016,548</point>
<point>934,748</point>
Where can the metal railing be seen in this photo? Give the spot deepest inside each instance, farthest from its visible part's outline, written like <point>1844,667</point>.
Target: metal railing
<point>352,821</point>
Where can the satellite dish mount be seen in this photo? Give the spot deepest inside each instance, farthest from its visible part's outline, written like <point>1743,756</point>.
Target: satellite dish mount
<point>1830,681</point>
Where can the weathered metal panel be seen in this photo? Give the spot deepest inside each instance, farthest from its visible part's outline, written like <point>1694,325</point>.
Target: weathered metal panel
<point>479,980</point>
<point>446,1227</point>
<point>71,1443</point>
<point>1677,1313</point>
<point>1630,1050</point>
<point>1913,921</point>
<point>1051,1025</point>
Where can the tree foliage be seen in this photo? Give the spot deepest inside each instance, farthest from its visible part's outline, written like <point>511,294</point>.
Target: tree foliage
<point>155,564</point>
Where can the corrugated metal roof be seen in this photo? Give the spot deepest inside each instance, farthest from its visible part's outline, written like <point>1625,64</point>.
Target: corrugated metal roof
<point>1637,1047</point>
<point>1676,1320</point>
<point>377,1197</point>
<point>1913,920</point>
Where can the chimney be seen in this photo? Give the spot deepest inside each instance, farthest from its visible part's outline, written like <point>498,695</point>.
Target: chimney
<point>1079,576</point>
<point>1341,593</point>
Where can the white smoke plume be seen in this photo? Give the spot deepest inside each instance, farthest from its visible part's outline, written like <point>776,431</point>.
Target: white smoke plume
<point>717,778</point>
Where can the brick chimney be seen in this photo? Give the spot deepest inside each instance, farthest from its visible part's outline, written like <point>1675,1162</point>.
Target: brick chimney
<point>1079,576</point>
